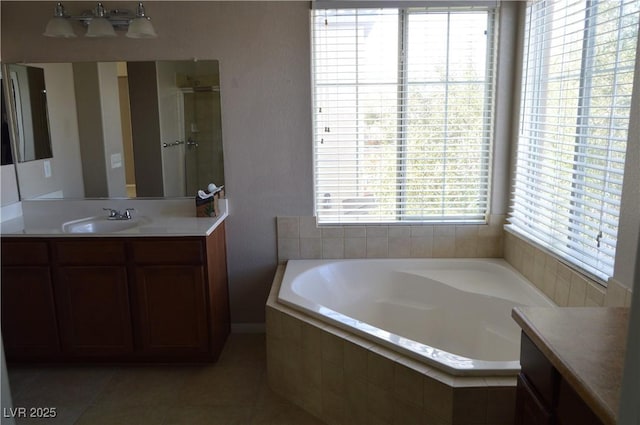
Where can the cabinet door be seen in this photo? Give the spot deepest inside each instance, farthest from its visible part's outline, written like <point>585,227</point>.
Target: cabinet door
<point>171,310</point>
<point>572,409</point>
<point>29,325</point>
<point>530,410</point>
<point>93,307</point>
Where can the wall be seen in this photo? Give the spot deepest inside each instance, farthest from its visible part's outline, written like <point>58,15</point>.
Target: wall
<point>97,97</point>
<point>629,226</point>
<point>263,49</point>
<point>9,193</point>
<point>145,131</point>
<point>112,132</point>
<point>90,127</point>
<point>630,398</point>
<point>63,123</point>
<point>172,157</point>
<point>125,118</point>
<point>66,172</point>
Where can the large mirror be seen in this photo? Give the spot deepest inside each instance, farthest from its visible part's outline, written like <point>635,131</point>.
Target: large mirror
<point>130,129</point>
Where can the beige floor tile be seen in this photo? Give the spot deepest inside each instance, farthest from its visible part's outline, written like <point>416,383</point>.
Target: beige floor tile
<point>266,396</point>
<point>123,415</point>
<point>145,386</point>
<point>220,415</point>
<point>20,378</point>
<point>283,414</point>
<point>233,391</point>
<point>221,386</point>
<point>244,350</point>
<point>64,386</point>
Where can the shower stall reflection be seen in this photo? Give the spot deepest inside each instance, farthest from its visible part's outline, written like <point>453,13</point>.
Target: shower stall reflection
<point>189,126</point>
<point>202,135</point>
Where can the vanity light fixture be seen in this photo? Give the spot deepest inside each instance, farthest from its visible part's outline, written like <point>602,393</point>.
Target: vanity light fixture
<point>101,22</point>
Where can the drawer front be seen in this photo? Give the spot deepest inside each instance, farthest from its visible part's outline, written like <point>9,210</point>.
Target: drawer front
<point>90,252</point>
<point>24,253</point>
<point>538,371</point>
<point>168,251</point>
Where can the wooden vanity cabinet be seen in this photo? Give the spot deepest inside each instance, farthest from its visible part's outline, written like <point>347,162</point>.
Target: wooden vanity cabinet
<point>537,386</point>
<point>115,299</point>
<point>543,396</point>
<point>29,322</point>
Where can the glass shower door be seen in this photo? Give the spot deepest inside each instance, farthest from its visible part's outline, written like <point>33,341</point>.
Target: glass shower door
<point>203,138</point>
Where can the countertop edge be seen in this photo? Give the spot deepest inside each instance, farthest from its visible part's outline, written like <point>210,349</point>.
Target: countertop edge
<point>599,406</point>
<point>180,232</point>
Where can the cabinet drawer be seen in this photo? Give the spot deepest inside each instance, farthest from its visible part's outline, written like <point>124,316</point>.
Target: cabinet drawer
<point>538,370</point>
<point>168,252</point>
<point>90,252</point>
<point>24,253</point>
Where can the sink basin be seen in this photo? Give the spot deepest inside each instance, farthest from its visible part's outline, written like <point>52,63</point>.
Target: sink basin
<point>102,225</point>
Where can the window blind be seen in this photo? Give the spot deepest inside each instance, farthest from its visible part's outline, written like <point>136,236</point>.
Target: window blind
<point>577,81</point>
<point>403,109</point>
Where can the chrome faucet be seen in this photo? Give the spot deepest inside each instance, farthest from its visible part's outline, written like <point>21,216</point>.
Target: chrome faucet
<point>117,215</point>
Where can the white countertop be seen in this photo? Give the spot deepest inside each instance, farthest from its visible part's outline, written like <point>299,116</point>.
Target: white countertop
<point>163,217</point>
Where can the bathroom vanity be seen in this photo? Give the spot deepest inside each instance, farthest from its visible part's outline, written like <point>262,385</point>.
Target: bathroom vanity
<point>154,292</point>
<point>572,361</point>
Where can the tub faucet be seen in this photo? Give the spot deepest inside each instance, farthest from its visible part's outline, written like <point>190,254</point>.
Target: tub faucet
<point>117,215</point>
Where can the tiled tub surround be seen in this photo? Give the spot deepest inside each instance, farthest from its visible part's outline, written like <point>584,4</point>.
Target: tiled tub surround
<point>342,378</point>
<point>302,238</point>
<point>567,287</point>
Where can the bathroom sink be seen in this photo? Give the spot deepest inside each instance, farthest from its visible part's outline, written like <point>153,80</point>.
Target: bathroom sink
<point>102,225</point>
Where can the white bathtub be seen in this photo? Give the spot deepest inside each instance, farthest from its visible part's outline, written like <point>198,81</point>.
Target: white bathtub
<point>453,314</point>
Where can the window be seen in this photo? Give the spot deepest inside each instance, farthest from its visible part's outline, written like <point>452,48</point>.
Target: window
<point>577,82</point>
<point>403,107</point>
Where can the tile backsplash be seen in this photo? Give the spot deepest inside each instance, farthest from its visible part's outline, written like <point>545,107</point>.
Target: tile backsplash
<point>302,238</point>
<point>564,285</point>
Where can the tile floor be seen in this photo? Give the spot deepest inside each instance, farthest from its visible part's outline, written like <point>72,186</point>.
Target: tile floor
<point>233,391</point>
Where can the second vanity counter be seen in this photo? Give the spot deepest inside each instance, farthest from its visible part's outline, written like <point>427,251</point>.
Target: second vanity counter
<point>586,345</point>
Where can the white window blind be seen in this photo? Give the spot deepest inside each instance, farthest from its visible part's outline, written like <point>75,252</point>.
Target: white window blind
<point>402,108</point>
<point>577,83</point>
